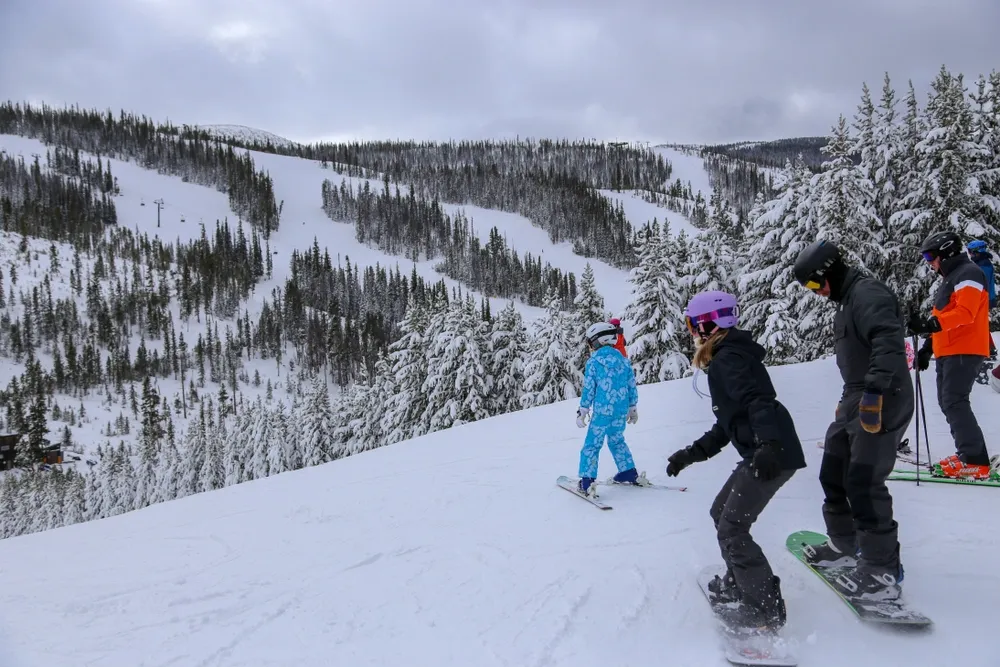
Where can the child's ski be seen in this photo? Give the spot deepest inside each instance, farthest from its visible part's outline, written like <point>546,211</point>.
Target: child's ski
<point>570,485</point>
<point>647,485</point>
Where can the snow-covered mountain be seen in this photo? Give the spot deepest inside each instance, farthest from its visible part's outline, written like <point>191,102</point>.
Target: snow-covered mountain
<point>458,549</point>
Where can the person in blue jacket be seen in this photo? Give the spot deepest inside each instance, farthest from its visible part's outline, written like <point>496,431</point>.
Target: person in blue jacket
<point>609,400</point>
<point>984,260</point>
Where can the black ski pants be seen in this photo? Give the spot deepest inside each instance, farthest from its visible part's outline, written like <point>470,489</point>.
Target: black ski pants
<point>956,375</point>
<point>742,498</point>
<point>857,507</point>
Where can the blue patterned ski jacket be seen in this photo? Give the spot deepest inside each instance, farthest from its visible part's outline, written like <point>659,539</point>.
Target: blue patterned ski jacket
<point>608,385</point>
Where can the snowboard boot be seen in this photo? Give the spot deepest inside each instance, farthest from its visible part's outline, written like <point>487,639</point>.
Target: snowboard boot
<point>827,555</point>
<point>904,447</point>
<point>587,487</point>
<point>724,589</point>
<point>770,616</point>
<point>871,583</point>
<point>630,476</point>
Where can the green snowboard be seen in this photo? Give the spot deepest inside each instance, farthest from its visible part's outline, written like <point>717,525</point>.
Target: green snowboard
<point>894,612</point>
<point>926,476</point>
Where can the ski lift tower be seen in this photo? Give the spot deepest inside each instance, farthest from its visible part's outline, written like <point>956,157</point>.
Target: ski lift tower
<point>159,205</point>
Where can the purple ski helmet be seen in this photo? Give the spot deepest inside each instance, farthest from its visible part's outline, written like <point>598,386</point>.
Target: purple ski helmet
<point>719,308</point>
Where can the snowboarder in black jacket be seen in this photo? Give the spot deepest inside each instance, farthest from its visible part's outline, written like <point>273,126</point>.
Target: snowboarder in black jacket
<point>748,415</point>
<point>874,411</point>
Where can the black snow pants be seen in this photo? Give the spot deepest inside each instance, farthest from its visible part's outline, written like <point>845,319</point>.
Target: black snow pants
<point>857,507</point>
<point>742,498</point>
<point>955,377</point>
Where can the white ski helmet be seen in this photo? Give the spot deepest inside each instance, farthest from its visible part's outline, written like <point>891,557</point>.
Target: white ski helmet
<point>601,333</point>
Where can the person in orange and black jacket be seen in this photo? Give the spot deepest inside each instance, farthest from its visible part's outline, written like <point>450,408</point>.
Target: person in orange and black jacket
<point>958,327</point>
<point>620,340</point>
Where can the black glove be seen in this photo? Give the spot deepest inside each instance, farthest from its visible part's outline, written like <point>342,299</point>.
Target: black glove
<point>682,458</point>
<point>924,355</point>
<point>921,325</point>
<point>765,464</point>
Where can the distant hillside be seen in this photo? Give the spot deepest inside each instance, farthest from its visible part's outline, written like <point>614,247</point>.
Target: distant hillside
<point>243,135</point>
<point>774,153</point>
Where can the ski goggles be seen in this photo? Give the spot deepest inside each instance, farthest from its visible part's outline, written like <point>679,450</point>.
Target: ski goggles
<point>929,256</point>
<point>814,283</point>
<point>694,322</point>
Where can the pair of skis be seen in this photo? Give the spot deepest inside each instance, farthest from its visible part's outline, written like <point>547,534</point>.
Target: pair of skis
<point>570,485</point>
<point>753,646</point>
<point>926,473</point>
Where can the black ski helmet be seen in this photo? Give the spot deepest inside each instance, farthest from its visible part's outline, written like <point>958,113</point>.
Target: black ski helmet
<point>815,261</point>
<point>943,244</point>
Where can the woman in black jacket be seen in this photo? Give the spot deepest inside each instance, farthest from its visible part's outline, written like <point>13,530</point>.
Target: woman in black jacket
<point>749,415</point>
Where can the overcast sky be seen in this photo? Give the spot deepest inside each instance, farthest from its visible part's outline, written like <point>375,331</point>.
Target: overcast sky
<point>656,70</point>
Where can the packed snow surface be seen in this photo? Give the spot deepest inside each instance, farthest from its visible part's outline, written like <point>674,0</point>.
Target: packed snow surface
<point>457,549</point>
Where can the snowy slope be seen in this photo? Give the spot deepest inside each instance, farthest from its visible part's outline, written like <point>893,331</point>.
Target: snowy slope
<point>687,167</point>
<point>457,549</point>
<point>639,211</point>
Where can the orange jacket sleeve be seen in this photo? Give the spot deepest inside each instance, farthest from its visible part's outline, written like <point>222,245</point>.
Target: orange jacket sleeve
<point>968,295</point>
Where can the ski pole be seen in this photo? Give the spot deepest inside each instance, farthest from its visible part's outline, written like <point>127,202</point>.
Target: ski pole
<point>916,390</point>
<point>923,418</point>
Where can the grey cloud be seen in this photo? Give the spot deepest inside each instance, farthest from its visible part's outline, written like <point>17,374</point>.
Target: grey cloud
<point>718,70</point>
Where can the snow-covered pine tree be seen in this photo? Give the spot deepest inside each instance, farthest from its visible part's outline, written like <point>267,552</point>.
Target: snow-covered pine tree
<point>260,441</point>
<point>656,309</point>
<point>195,452</point>
<point>456,380</point>
<point>986,133</point>
<point>150,438</point>
<point>845,203</point>
<point>238,451</point>
<point>213,475</point>
<point>939,194</point>
<point>408,356</point>
<point>550,374</point>
<point>879,147</point>
<point>349,416</point>
<point>383,390</point>
<point>588,308</point>
<point>711,264</point>
<point>316,424</point>
<point>771,302</point>
<point>168,472</point>
<point>282,446</point>
<point>506,356</point>
<point>124,477</point>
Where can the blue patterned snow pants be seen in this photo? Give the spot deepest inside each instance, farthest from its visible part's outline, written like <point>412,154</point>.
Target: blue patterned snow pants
<point>614,431</point>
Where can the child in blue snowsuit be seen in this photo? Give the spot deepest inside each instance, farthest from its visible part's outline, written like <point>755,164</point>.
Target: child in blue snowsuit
<point>610,394</point>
